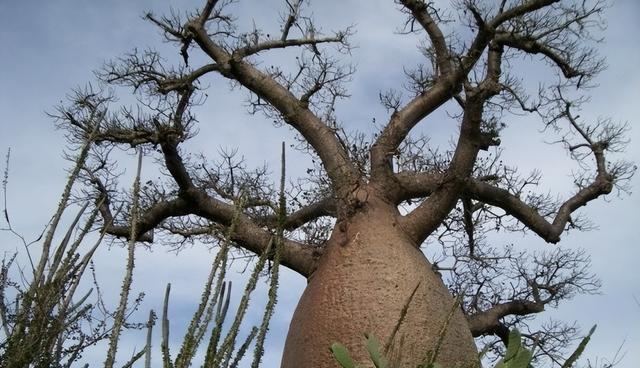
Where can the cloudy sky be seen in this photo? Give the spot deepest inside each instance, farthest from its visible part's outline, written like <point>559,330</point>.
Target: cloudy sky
<point>50,47</point>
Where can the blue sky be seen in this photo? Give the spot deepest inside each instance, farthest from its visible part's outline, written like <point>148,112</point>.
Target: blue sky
<point>50,47</point>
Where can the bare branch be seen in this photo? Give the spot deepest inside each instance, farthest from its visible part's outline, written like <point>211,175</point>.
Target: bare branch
<point>413,185</point>
<point>520,10</point>
<point>149,219</point>
<point>423,220</point>
<point>403,120</point>
<point>532,46</point>
<point>488,322</point>
<point>280,44</point>
<point>549,231</point>
<point>323,207</point>
<point>294,10</point>
<point>421,13</point>
<point>486,32</point>
<point>296,256</point>
<point>293,111</point>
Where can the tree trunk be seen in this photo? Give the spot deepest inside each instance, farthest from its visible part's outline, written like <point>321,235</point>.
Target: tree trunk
<point>366,277</point>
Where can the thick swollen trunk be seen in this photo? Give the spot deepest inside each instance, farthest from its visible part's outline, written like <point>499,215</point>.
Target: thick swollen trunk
<point>365,279</point>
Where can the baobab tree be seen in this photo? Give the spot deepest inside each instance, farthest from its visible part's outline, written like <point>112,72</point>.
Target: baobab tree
<point>356,223</point>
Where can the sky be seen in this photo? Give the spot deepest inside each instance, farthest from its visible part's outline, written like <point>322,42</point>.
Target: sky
<point>49,48</point>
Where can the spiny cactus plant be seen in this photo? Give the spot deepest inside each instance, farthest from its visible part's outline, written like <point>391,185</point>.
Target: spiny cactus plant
<point>579,350</point>
<point>221,351</point>
<point>43,315</point>
<point>44,325</point>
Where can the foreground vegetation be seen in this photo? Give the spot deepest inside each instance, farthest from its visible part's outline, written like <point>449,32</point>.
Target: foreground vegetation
<point>48,322</point>
<point>52,315</point>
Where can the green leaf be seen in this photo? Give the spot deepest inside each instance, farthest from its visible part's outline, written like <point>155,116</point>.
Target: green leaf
<point>373,347</point>
<point>341,354</point>
<point>521,360</point>
<point>515,342</point>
